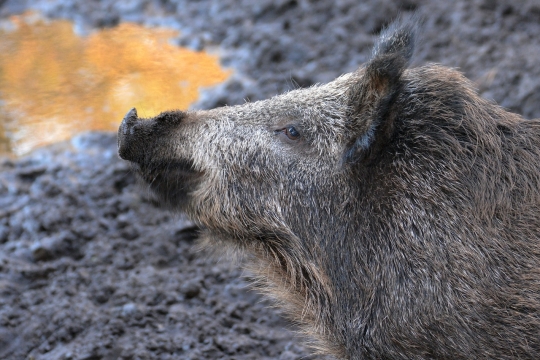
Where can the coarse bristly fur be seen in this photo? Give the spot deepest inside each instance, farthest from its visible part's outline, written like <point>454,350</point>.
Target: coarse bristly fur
<point>399,219</point>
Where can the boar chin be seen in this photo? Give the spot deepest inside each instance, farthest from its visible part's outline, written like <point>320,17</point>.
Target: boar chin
<point>170,181</point>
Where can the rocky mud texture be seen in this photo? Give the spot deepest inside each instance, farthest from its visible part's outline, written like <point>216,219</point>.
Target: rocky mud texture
<point>90,268</point>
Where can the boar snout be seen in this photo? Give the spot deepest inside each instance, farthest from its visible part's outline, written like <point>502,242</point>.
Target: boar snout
<point>128,144</point>
<point>140,138</point>
<point>147,144</point>
<point>128,121</point>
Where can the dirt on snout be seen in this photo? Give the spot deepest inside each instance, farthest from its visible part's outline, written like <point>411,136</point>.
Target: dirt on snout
<point>91,268</point>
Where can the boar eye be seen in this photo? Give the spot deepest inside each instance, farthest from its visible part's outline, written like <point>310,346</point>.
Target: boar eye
<point>291,132</point>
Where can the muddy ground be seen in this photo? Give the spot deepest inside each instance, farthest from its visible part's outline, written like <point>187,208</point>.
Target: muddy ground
<point>90,268</point>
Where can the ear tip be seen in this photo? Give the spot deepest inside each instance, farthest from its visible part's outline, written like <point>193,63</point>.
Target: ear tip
<point>405,23</point>
<point>400,36</point>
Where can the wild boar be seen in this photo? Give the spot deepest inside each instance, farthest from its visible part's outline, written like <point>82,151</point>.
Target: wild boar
<point>393,213</point>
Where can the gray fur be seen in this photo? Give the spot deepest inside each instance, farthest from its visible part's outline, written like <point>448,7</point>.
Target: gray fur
<point>404,223</point>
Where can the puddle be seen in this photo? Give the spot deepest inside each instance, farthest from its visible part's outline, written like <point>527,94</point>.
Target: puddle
<point>54,84</point>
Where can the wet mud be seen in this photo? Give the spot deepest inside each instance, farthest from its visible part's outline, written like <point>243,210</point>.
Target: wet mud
<point>92,268</point>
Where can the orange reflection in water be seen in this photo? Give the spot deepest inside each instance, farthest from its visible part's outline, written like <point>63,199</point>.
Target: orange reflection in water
<point>54,84</point>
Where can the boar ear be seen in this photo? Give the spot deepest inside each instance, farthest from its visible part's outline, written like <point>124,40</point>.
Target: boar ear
<point>376,87</point>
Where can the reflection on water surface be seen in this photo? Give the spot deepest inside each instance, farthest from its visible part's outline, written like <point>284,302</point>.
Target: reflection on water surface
<point>54,84</point>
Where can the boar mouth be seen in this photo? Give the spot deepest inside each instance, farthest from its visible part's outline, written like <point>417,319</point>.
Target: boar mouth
<point>171,181</point>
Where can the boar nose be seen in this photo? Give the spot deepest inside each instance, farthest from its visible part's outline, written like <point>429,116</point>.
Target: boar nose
<point>129,119</point>
<point>127,139</point>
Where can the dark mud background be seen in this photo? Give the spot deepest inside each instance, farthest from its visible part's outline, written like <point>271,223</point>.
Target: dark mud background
<point>90,268</point>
